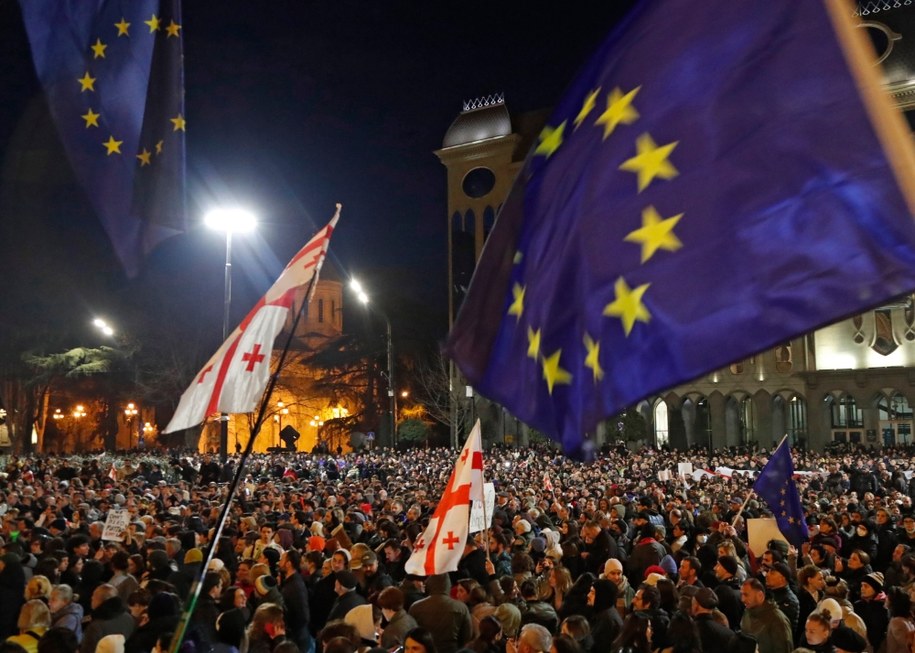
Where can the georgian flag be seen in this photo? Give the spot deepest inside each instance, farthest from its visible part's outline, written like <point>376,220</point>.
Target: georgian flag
<point>440,547</point>
<point>234,378</point>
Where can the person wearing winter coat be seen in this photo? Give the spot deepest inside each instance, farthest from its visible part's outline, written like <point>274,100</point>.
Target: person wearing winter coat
<point>65,612</point>
<point>12,589</point>
<point>763,620</point>
<point>109,617</point>
<point>872,609</point>
<point>606,623</point>
<point>900,629</point>
<point>447,619</point>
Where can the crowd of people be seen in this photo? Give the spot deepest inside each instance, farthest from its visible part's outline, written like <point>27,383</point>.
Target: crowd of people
<point>619,555</point>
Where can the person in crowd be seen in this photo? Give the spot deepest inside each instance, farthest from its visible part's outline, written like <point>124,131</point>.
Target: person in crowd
<point>65,612</point>
<point>34,621</point>
<point>635,636</point>
<point>901,630</point>
<point>109,616</point>
<point>447,619</point>
<point>763,620</point>
<point>419,640</point>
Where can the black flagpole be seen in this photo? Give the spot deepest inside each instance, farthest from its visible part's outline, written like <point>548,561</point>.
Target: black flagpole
<point>194,594</point>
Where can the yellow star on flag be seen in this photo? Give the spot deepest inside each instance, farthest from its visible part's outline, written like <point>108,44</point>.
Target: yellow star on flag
<point>517,306</point>
<point>173,29</point>
<point>91,118</point>
<point>656,233</point>
<point>592,359</point>
<point>113,146</point>
<point>586,108</point>
<point>179,122</point>
<point>533,343</point>
<point>154,24</point>
<point>550,140</point>
<point>619,110</point>
<point>628,305</point>
<point>145,157</point>
<point>98,49</point>
<point>553,373</point>
<point>159,146</point>
<point>123,27</point>
<point>650,161</point>
<point>86,82</point>
<point>518,258</point>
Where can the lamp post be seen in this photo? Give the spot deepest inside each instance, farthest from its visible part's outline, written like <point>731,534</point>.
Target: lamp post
<point>361,295</point>
<point>130,412</point>
<point>278,417</point>
<point>79,412</point>
<point>229,220</point>
<point>148,430</point>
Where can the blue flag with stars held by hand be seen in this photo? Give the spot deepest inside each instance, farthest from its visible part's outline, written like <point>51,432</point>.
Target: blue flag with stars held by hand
<point>113,75</point>
<point>776,486</point>
<point>720,177</point>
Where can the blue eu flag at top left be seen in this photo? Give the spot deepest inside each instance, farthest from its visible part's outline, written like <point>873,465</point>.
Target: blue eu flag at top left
<point>112,72</point>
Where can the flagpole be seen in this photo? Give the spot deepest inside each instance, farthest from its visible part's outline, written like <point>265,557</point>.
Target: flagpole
<point>753,492</point>
<point>485,518</point>
<point>194,594</point>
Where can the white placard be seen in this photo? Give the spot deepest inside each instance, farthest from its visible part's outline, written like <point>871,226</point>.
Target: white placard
<point>685,469</point>
<point>664,475</point>
<point>477,523</point>
<point>115,525</point>
<point>760,532</point>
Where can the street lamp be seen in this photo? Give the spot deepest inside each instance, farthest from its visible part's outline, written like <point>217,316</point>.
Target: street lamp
<point>278,418</point>
<point>229,220</point>
<point>130,412</point>
<point>103,326</point>
<point>363,297</point>
<point>148,430</point>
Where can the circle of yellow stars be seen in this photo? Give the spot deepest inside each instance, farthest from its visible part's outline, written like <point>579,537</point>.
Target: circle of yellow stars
<point>651,162</point>
<point>87,85</point>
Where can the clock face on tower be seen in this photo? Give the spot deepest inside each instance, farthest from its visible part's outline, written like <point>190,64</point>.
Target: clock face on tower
<point>478,182</point>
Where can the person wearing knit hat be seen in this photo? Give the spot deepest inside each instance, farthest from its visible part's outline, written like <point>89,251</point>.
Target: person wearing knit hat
<point>362,618</point>
<point>653,578</point>
<point>111,644</point>
<point>872,609</point>
<point>728,590</point>
<point>347,596</point>
<point>315,543</point>
<point>193,555</point>
<point>875,580</point>
<point>655,569</point>
<point>264,584</point>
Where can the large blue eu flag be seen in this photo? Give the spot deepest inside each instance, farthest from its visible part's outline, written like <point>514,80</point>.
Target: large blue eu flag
<point>721,176</point>
<point>776,485</point>
<point>113,75</point>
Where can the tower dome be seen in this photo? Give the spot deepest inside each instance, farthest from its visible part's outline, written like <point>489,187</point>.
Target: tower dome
<point>483,118</point>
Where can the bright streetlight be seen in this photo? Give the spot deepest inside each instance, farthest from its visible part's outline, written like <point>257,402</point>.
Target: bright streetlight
<point>229,220</point>
<point>103,326</point>
<point>129,413</point>
<point>363,297</point>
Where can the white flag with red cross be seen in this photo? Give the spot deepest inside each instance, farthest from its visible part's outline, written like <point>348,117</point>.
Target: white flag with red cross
<point>440,547</point>
<point>234,378</point>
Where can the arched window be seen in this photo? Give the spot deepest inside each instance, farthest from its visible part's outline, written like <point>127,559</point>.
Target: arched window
<point>661,430</point>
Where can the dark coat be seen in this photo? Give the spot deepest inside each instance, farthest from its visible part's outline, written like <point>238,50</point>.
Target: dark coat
<point>295,599</point>
<point>448,620</point>
<point>729,602</point>
<point>110,618</point>
<point>714,636</point>
<point>345,603</point>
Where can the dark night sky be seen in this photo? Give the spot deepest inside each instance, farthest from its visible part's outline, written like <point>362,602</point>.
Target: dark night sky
<point>294,105</point>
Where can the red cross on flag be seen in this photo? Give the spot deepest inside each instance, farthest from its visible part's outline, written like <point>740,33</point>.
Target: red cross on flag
<point>440,548</point>
<point>234,379</point>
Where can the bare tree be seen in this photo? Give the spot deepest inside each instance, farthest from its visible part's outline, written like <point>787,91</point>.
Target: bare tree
<point>442,396</point>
